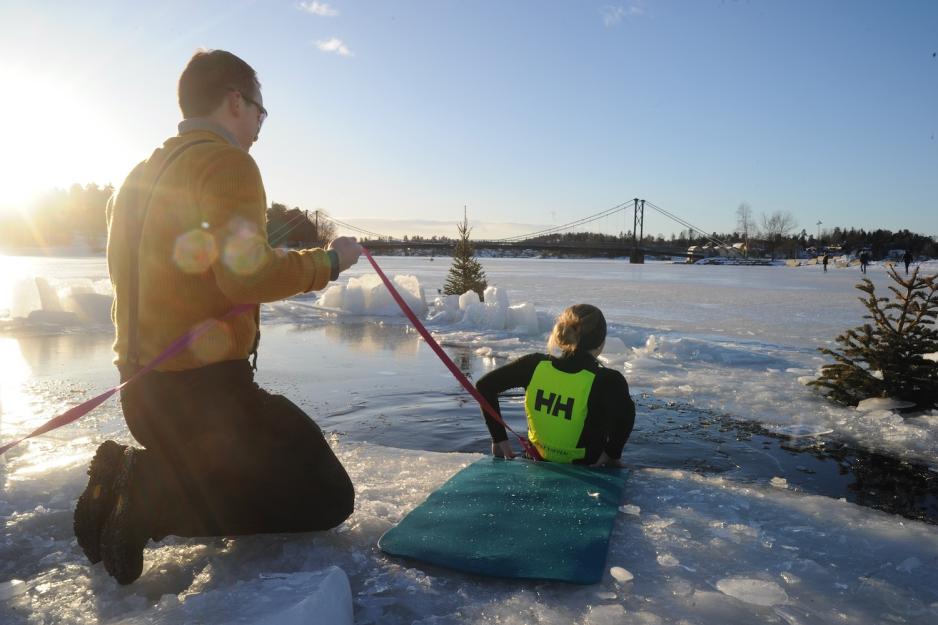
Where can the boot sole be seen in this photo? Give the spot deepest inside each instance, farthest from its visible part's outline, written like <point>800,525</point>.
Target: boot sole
<point>95,502</point>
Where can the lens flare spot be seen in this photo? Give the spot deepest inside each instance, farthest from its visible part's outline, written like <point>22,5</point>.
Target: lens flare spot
<point>195,251</point>
<point>215,345</point>
<point>245,249</point>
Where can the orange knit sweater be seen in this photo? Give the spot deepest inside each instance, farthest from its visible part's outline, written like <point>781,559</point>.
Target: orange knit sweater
<point>203,251</point>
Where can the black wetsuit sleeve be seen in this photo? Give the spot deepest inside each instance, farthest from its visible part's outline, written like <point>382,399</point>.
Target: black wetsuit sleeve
<point>515,374</point>
<point>612,415</point>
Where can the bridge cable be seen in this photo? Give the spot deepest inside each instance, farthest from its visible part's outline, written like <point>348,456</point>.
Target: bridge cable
<point>285,228</point>
<point>691,226</point>
<point>381,237</point>
<point>556,229</point>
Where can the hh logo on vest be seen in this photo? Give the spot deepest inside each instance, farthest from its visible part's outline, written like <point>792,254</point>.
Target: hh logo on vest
<point>554,404</point>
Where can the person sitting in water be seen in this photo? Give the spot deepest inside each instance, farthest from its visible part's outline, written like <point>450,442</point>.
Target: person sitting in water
<point>578,411</point>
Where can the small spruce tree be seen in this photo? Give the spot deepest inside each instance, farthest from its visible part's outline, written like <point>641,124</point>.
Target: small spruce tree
<point>466,273</point>
<point>885,358</point>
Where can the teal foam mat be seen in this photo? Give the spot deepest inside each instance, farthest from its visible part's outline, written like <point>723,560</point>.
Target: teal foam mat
<point>515,519</point>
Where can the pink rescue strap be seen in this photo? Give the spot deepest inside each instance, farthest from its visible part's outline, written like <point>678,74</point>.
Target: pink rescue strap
<point>177,346</point>
<point>486,406</point>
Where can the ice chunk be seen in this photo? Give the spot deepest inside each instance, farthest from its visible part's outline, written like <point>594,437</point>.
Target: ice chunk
<point>473,312</point>
<point>48,296</point>
<point>667,560</point>
<point>53,317</point>
<point>523,318</point>
<point>449,305</point>
<point>367,295</point>
<point>621,575</point>
<point>907,565</point>
<point>299,598</point>
<point>333,297</point>
<point>680,587</point>
<point>610,614</point>
<point>801,430</point>
<point>630,509</point>
<point>467,299</point>
<point>446,309</point>
<point>882,403</point>
<point>492,316</point>
<point>12,588</point>
<point>495,313</point>
<point>89,307</point>
<point>614,345</point>
<point>496,296</point>
<point>779,482</point>
<point>327,599</point>
<point>754,591</point>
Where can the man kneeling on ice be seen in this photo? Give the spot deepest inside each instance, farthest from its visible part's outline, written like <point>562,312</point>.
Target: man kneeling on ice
<point>578,411</point>
<point>187,244</point>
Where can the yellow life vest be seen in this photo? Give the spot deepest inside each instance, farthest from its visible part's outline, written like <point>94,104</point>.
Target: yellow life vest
<point>555,404</point>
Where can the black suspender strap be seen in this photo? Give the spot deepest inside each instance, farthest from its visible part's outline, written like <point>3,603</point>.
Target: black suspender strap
<point>134,235</point>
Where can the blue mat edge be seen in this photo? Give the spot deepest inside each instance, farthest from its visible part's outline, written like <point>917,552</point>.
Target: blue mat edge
<point>467,567</point>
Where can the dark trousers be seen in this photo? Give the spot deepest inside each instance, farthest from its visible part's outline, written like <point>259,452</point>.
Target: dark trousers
<point>223,456</point>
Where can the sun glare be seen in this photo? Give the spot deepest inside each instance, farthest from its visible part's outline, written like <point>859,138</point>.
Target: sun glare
<point>14,401</point>
<point>56,134</point>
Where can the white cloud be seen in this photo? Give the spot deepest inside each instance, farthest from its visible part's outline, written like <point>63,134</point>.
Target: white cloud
<point>334,46</point>
<point>613,14</point>
<point>318,8</point>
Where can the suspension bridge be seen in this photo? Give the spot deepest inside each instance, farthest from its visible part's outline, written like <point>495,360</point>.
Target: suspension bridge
<point>580,236</point>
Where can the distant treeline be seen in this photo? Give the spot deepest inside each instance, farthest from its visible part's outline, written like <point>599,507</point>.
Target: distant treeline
<point>841,240</point>
<point>59,217</point>
<point>295,227</point>
<point>879,241</point>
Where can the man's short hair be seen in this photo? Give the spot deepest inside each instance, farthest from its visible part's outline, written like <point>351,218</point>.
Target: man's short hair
<point>209,75</point>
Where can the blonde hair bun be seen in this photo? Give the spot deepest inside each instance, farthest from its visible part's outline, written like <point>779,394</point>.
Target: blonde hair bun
<point>579,327</point>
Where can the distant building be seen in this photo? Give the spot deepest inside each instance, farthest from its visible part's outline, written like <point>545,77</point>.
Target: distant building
<point>895,255</point>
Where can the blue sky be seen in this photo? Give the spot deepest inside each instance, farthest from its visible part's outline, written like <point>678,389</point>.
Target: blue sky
<point>529,112</point>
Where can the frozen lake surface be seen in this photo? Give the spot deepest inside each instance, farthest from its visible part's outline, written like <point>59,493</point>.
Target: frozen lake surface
<point>720,525</point>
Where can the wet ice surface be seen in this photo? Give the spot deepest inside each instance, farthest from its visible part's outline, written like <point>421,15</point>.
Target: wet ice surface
<point>701,550</point>
<point>719,523</point>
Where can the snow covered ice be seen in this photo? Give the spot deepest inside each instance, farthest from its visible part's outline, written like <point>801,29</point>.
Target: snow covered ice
<point>686,548</point>
<point>754,591</point>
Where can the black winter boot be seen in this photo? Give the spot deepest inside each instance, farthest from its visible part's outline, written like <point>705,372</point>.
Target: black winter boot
<point>127,528</point>
<point>95,503</point>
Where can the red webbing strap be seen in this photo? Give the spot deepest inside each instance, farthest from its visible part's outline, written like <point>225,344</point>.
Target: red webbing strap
<point>466,384</point>
<point>76,412</point>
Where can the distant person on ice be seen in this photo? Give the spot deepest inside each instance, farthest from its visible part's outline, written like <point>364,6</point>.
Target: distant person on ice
<point>578,411</point>
<point>907,259</point>
<point>864,261</point>
<point>825,259</point>
<point>220,456</point>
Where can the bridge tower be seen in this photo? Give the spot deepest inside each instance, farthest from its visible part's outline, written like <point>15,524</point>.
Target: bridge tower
<point>638,232</point>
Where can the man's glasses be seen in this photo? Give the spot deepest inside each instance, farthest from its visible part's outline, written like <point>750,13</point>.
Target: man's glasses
<point>260,108</point>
